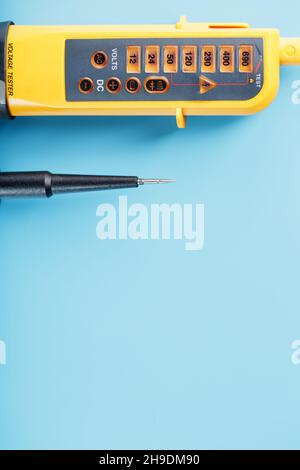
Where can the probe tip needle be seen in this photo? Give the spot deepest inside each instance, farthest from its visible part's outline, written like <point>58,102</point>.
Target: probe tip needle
<point>155,181</point>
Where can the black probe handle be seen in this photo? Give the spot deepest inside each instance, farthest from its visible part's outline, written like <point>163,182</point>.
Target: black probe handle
<point>46,184</point>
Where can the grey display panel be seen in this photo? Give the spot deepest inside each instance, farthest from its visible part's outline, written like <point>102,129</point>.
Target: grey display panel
<point>182,86</point>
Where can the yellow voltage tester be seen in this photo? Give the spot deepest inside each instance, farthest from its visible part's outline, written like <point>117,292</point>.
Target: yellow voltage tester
<point>182,70</point>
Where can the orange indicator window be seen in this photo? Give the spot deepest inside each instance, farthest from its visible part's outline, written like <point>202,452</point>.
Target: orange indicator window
<point>208,59</point>
<point>246,59</point>
<point>227,62</point>
<point>133,59</point>
<point>189,59</point>
<point>152,59</point>
<point>171,59</point>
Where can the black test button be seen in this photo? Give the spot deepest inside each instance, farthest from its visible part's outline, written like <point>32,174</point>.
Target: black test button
<point>113,85</point>
<point>133,85</point>
<point>156,85</point>
<point>86,85</point>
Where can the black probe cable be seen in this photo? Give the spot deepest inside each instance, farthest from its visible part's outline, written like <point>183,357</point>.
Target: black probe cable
<point>46,184</point>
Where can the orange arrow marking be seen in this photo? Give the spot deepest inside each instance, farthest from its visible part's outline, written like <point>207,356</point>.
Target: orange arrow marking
<point>206,85</point>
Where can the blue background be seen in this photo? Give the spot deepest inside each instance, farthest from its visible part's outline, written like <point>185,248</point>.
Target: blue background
<point>140,344</point>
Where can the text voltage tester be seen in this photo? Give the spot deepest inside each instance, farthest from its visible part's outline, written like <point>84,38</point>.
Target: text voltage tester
<point>182,70</point>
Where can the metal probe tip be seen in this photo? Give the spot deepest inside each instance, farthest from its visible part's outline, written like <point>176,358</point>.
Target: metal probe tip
<point>155,181</point>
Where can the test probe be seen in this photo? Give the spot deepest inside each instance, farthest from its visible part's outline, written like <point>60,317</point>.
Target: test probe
<point>46,184</point>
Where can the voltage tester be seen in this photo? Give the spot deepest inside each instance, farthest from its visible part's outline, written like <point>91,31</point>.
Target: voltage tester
<point>181,70</point>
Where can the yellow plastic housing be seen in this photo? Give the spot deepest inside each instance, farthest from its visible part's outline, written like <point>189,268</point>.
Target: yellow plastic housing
<point>36,75</point>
